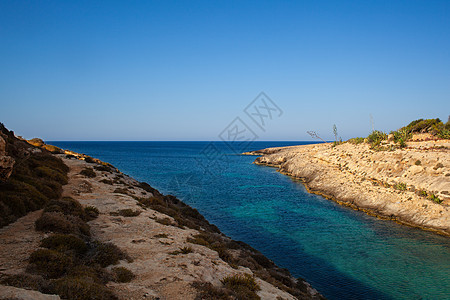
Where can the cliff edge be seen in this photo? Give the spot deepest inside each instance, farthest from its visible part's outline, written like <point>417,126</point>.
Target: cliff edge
<point>410,185</point>
<point>82,229</point>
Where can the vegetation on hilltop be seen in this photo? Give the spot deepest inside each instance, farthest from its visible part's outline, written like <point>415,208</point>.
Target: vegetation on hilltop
<point>37,178</point>
<point>434,127</point>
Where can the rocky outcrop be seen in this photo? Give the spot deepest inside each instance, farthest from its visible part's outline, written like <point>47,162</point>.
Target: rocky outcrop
<point>410,186</point>
<point>6,162</point>
<point>9,292</point>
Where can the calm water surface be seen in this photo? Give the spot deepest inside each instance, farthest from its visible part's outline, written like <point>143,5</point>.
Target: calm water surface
<point>343,253</point>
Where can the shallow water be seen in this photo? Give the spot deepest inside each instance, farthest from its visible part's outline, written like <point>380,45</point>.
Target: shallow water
<point>345,254</point>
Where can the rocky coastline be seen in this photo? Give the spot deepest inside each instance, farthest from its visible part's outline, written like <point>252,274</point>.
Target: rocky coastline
<point>172,251</point>
<point>410,186</point>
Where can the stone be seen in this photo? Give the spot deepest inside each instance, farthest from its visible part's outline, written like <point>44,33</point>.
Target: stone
<point>6,162</point>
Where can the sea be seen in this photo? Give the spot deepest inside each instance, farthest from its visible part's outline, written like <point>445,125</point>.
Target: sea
<point>343,253</point>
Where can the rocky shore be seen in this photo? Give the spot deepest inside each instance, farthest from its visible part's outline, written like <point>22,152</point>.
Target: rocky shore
<point>409,185</point>
<point>171,250</point>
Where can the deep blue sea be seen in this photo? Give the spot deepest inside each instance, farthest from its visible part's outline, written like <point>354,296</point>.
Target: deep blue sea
<point>343,253</point>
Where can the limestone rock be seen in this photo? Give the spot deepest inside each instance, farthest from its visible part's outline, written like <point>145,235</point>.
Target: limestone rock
<point>389,184</point>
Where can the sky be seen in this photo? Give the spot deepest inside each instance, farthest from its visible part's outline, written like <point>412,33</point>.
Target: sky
<point>184,70</point>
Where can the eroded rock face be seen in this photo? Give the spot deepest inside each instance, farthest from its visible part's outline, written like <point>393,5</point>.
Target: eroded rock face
<point>389,184</point>
<point>6,162</point>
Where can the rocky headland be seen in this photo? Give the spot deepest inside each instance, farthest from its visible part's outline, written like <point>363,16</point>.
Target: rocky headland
<point>100,234</point>
<point>410,185</point>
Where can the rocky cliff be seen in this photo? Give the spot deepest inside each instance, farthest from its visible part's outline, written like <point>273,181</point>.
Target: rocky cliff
<point>410,185</point>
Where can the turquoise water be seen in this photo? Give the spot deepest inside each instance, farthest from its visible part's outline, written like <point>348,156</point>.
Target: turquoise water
<point>343,253</point>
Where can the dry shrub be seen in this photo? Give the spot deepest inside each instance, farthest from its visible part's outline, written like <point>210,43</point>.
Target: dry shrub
<point>59,223</point>
<point>122,274</point>
<point>106,254</point>
<point>67,206</point>
<point>91,212</point>
<point>88,172</point>
<point>64,242</point>
<point>244,286</point>
<point>50,263</point>
<point>81,288</point>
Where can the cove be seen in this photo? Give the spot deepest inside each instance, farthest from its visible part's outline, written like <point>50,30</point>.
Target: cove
<point>345,254</point>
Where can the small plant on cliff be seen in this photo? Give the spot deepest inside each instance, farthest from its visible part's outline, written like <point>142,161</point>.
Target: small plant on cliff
<point>122,274</point>
<point>182,250</point>
<point>375,138</point>
<point>81,288</point>
<point>435,198</point>
<point>356,141</point>
<point>444,134</point>
<point>91,212</point>
<point>106,254</point>
<point>129,212</point>
<point>401,137</point>
<point>400,186</point>
<point>335,133</point>
<point>245,286</point>
<point>418,162</point>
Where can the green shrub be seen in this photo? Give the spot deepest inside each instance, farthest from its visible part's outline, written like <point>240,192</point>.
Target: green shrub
<point>64,242</point>
<point>401,136</point>
<point>81,288</point>
<point>106,254</point>
<point>356,141</point>
<point>60,223</point>
<point>91,212</point>
<point>88,172</point>
<point>375,138</point>
<point>122,274</point>
<point>444,134</point>
<point>435,198</point>
<point>50,263</point>
<point>400,186</point>
<point>418,163</point>
<point>432,126</point>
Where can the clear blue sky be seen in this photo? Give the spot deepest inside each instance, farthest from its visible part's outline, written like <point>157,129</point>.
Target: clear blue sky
<point>183,70</point>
